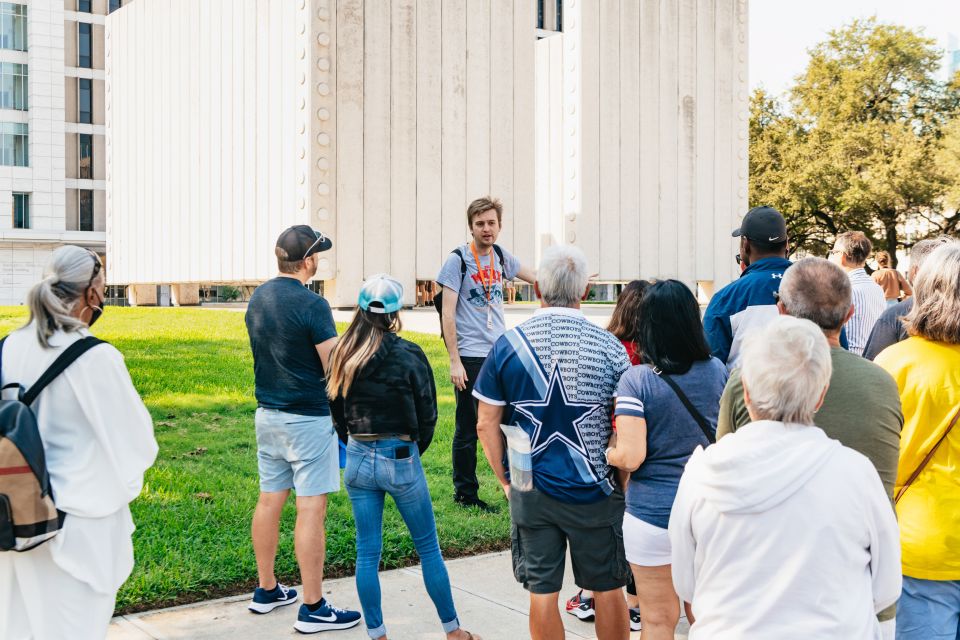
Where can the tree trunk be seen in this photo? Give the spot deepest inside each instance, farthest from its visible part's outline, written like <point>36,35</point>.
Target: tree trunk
<point>891,229</point>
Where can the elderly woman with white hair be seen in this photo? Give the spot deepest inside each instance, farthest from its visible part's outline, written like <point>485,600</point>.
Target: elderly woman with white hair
<point>97,439</point>
<point>926,368</point>
<point>778,531</point>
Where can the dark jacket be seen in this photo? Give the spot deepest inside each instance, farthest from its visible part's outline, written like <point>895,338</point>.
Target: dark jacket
<point>393,393</point>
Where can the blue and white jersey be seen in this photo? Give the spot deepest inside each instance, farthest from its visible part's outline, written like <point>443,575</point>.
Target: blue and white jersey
<point>742,306</point>
<point>555,376</point>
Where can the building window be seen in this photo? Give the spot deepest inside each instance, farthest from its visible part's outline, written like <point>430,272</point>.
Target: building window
<point>13,86</point>
<point>84,5</point>
<point>85,98</point>
<point>21,210</point>
<point>86,210</point>
<point>85,45</point>
<point>86,156</point>
<point>114,5</point>
<point>13,26</point>
<point>14,144</point>
<point>549,16</point>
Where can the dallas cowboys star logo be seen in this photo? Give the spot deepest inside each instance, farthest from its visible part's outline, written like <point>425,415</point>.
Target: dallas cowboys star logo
<point>557,418</point>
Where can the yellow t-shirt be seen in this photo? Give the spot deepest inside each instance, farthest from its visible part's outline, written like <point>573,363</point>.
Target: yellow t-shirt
<point>928,376</point>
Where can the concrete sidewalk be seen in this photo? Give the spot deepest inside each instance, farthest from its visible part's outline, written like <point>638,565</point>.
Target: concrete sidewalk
<point>489,602</point>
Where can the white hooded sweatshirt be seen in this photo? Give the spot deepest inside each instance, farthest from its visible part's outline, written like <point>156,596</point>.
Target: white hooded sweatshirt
<point>780,532</point>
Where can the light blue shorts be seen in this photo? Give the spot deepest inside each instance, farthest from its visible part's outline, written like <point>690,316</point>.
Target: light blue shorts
<point>297,452</point>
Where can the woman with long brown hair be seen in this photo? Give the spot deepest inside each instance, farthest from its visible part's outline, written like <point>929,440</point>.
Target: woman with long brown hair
<point>384,397</point>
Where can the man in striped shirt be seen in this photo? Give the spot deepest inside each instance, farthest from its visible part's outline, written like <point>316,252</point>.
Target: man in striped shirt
<point>851,251</point>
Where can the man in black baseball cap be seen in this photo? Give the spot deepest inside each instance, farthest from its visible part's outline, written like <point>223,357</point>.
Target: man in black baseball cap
<point>749,302</point>
<point>292,334</point>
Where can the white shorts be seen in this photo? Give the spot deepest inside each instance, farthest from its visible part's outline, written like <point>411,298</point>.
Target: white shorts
<point>645,544</point>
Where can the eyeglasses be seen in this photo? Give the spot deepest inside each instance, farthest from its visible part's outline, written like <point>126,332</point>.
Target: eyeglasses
<point>776,296</point>
<point>97,266</point>
<point>738,258</point>
<point>320,238</point>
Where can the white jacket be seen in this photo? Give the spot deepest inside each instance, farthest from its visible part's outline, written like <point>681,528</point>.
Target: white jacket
<point>780,532</point>
<point>98,442</point>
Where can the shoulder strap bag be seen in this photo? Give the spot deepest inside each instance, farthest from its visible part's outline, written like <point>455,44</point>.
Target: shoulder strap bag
<point>696,415</point>
<point>926,459</point>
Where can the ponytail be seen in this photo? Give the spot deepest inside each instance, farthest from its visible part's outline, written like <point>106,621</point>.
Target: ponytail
<point>66,277</point>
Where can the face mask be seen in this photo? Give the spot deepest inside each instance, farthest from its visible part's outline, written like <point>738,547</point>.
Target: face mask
<point>97,311</point>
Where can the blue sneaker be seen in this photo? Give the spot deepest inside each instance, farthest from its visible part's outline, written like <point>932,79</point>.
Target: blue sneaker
<point>325,618</point>
<point>266,601</point>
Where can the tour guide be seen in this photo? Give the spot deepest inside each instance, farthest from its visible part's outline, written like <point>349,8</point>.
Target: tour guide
<point>472,321</point>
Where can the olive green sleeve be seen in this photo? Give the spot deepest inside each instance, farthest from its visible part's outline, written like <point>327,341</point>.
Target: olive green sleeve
<point>733,410</point>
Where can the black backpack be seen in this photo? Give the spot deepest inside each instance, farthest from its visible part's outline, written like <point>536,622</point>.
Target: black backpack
<point>28,515</point>
<point>438,299</point>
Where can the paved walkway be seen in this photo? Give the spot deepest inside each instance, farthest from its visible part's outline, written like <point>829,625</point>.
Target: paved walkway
<point>489,602</point>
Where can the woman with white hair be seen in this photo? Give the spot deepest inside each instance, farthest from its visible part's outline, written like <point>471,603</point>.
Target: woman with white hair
<point>926,367</point>
<point>778,531</point>
<point>97,441</point>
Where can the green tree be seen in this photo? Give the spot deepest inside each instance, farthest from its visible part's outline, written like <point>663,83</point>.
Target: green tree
<point>858,148</point>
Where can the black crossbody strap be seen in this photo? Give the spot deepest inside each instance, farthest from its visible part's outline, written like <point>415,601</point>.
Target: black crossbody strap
<point>63,361</point>
<point>697,416</point>
<point>463,262</point>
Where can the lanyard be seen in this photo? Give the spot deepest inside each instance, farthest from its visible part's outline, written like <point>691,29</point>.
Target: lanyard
<point>483,281</point>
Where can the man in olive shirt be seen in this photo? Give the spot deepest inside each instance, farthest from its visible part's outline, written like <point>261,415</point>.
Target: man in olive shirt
<point>862,405</point>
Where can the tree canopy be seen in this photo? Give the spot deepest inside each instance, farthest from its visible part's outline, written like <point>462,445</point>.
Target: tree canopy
<point>869,139</point>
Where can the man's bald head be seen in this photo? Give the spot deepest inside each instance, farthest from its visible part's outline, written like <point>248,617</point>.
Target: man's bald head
<point>817,290</point>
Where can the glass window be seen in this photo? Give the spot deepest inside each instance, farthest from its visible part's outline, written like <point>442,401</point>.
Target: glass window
<point>13,86</point>
<point>85,45</point>
<point>550,15</point>
<point>86,210</point>
<point>83,5</point>
<point>21,210</point>
<point>86,100</point>
<point>13,26</point>
<point>86,156</point>
<point>14,144</point>
<point>114,5</point>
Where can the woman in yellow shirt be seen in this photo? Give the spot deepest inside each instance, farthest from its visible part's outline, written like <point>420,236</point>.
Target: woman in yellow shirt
<point>926,368</point>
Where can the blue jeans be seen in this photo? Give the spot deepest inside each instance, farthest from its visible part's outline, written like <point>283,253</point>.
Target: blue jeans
<point>373,470</point>
<point>929,610</point>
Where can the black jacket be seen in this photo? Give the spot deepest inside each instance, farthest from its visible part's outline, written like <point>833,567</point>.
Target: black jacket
<point>393,393</point>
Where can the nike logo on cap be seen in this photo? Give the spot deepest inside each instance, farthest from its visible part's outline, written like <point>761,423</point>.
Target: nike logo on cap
<point>773,239</point>
<point>331,618</point>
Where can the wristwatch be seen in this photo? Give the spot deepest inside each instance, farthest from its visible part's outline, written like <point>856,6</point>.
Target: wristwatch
<point>606,454</point>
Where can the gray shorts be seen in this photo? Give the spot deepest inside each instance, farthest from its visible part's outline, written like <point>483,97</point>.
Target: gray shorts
<point>297,452</point>
<point>540,529</point>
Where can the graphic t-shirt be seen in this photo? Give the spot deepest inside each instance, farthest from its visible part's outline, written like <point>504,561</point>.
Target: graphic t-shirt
<point>474,338</point>
<point>672,433</point>
<point>286,321</point>
<point>555,375</point>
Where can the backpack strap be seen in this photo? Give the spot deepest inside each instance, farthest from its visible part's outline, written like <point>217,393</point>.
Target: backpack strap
<point>694,413</point>
<point>463,263</point>
<point>926,460</point>
<point>499,251</point>
<point>63,361</point>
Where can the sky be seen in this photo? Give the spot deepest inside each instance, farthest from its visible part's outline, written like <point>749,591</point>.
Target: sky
<point>782,31</point>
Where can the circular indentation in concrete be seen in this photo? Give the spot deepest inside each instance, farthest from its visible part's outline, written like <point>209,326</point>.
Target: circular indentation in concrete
<point>323,89</point>
<point>303,53</point>
<point>303,128</point>
<point>302,178</point>
<point>571,236</point>
<point>323,189</point>
<point>323,64</point>
<point>323,114</point>
<point>303,104</point>
<point>303,78</point>
<point>323,39</point>
<point>302,28</point>
<point>323,214</point>
<point>302,204</point>
<point>323,139</point>
<point>323,164</point>
<point>303,153</point>
<point>323,264</point>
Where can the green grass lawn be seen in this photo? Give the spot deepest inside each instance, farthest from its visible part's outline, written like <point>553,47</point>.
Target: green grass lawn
<point>194,371</point>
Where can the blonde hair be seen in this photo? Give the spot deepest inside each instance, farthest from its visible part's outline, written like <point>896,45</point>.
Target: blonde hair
<point>68,274</point>
<point>482,205</point>
<point>936,310</point>
<point>356,347</point>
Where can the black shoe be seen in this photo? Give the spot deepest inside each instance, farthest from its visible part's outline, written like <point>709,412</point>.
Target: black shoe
<point>473,501</point>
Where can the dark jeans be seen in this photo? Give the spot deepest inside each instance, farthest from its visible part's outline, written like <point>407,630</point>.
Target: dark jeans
<point>465,435</point>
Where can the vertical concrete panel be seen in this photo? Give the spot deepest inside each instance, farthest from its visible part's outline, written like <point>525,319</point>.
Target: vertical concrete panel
<point>588,220</point>
<point>263,244</point>
<point>740,126</point>
<point>669,139</point>
<point>478,99</point>
<point>524,38</point>
<point>572,156</point>
<point>724,135</point>
<point>403,147</point>
<point>501,115</point>
<point>705,117</point>
<point>687,143</point>
<point>552,232</point>
<point>542,135</point>
<point>73,156</point>
<point>453,120</point>
<point>376,137</point>
<point>193,127</point>
<point>323,134</point>
<point>430,249</point>
<point>243,194</point>
<point>649,139</point>
<point>630,150</point>
<point>609,139</point>
<point>70,50</point>
<point>350,107</point>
